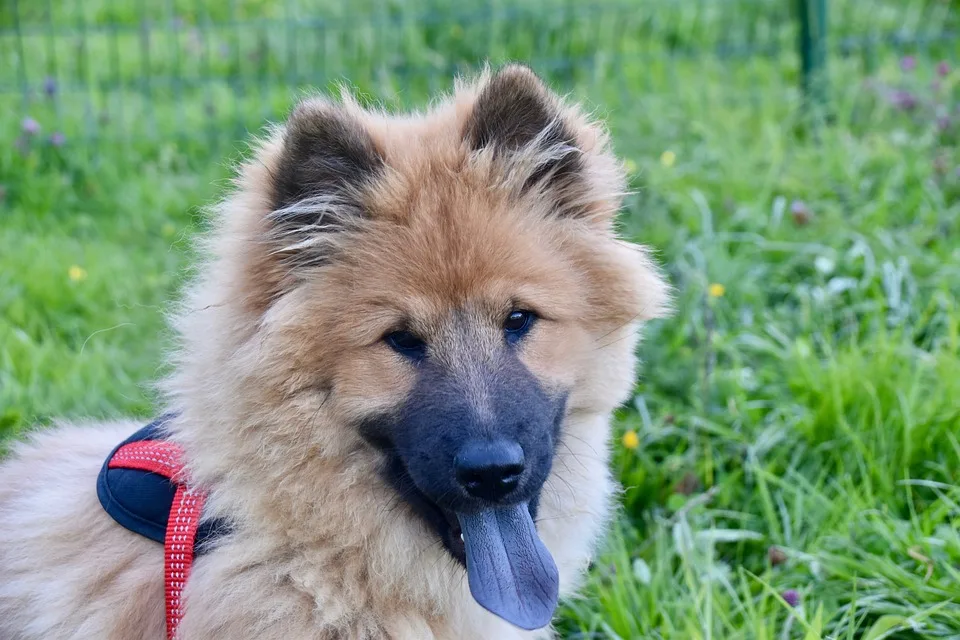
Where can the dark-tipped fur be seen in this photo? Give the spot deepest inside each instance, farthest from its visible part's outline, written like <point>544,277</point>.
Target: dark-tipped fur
<point>515,110</point>
<point>324,152</point>
<point>326,162</point>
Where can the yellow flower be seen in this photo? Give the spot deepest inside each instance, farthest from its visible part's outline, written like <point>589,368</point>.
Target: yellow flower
<point>168,230</point>
<point>631,440</point>
<point>77,273</point>
<point>630,166</point>
<point>716,290</point>
<point>667,158</point>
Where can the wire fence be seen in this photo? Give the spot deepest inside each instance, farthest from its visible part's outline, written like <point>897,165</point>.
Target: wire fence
<point>209,72</point>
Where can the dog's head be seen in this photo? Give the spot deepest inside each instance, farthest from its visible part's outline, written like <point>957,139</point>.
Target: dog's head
<point>444,291</point>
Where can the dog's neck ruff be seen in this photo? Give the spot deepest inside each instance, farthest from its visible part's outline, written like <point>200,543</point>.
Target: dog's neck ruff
<point>142,486</point>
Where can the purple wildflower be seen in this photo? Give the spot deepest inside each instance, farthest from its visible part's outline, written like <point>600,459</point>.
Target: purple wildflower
<point>50,86</point>
<point>194,40</point>
<point>688,485</point>
<point>58,139</point>
<point>943,69</point>
<point>776,556</point>
<point>791,597</point>
<point>904,100</point>
<point>908,63</point>
<point>801,212</point>
<point>30,126</point>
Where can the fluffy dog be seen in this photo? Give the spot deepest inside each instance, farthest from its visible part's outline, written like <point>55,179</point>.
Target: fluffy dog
<point>394,380</point>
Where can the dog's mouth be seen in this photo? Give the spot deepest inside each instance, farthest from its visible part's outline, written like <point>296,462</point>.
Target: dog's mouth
<point>510,571</point>
<point>442,521</point>
<point>450,532</point>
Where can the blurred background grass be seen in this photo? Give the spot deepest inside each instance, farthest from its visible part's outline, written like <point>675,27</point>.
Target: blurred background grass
<point>790,458</point>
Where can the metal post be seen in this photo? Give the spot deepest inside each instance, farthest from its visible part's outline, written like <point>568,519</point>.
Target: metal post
<point>813,50</point>
<point>21,60</point>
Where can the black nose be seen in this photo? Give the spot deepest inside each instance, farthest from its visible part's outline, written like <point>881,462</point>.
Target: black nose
<point>489,470</point>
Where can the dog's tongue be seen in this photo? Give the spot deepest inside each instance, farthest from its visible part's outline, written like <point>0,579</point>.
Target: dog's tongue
<point>510,571</point>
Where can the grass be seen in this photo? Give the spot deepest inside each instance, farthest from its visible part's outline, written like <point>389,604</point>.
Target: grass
<point>796,422</point>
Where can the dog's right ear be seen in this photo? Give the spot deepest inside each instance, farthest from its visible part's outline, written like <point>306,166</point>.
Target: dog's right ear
<point>326,161</point>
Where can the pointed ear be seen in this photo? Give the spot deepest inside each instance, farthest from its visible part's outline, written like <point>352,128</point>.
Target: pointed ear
<point>326,162</point>
<point>523,122</point>
<point>512,109</point>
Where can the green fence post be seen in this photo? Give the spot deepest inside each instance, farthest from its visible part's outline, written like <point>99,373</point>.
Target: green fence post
<point>813,50</point>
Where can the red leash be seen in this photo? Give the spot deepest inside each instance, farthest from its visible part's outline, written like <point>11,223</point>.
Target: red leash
<point>165,459</point>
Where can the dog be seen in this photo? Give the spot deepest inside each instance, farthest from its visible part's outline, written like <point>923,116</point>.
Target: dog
<point>394,379</point>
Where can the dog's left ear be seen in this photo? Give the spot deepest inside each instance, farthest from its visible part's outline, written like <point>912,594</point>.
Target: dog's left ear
<point>529,128</point>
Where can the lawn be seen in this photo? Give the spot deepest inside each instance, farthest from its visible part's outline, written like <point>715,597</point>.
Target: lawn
<point>791,459</point>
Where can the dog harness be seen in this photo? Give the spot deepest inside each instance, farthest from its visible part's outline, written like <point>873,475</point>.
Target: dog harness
<point>142,486</point>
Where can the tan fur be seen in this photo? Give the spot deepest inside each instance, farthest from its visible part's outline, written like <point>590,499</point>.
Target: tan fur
<point>66,571</point>
<point>276,362</point>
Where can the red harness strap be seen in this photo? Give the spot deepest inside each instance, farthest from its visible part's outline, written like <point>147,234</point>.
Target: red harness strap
<point>165,458</point>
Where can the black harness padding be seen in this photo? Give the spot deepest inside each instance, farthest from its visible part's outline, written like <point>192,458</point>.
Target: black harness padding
<point>141,500</point>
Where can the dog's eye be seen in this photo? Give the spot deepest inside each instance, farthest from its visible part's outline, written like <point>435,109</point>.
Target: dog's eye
<point>407,344</point>
<point>517,324</point>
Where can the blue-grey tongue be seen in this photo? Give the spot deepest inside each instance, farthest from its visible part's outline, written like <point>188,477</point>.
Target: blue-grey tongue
<point>510,572</point>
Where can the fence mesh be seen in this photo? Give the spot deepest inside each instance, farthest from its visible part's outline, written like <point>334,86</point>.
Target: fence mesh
<point>209,72</point>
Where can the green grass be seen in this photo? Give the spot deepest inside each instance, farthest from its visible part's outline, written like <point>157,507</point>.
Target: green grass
<point>799,432</point>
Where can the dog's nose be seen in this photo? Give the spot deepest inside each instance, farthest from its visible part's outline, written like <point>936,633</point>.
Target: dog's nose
<point>489,470</point>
